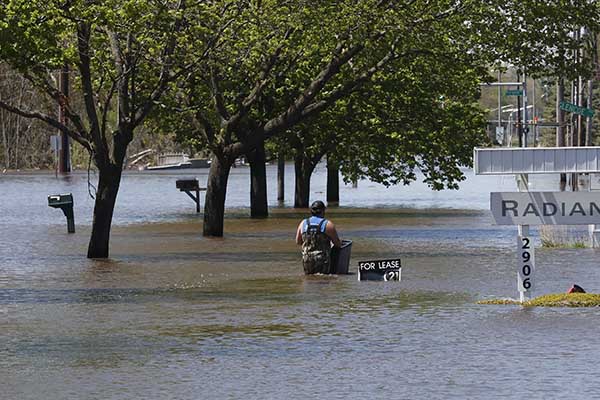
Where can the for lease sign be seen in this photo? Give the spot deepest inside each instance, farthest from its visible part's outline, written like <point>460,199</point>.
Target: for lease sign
<point>380,270</point>
<point>545,208</point>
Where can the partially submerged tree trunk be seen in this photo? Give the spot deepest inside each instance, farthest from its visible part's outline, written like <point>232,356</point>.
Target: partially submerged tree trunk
<point>106,196</point>
<point>303,170</point>
<point>109,180</point>
<point>280,177</point>
<point>216,190</point>
<point>333,183</point>
<point>258,182</point>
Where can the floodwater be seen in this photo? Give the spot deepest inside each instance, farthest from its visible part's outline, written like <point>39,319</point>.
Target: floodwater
<point>173,315</point>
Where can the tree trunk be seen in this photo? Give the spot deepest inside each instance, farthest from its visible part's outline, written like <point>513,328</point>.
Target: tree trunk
<point>258,182</point>
<point>280,177</point>
<point>333,183</point>
<point>303,171</point>
<point>5,142</point>
<point>16,152</point>
<point>64,155</point>
<point>106,196</point>
<point>216,190</point>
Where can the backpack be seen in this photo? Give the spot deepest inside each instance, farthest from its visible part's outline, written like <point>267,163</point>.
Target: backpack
<point>316,248</point>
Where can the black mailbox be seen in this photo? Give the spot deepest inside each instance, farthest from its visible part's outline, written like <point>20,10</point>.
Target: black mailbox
<point>65,203</point>
<point>187,184</point>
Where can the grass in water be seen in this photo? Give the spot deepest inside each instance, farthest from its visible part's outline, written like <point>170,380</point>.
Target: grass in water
<point>553,300</point>
<point>554,236</point>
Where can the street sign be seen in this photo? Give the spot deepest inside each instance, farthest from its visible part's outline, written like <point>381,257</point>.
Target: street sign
<point>514,92</point>
<point>380,270</point>
<point>545,208</point>
<point>574,108</point>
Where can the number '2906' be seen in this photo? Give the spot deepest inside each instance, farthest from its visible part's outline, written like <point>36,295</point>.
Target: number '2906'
<point>526,263</point>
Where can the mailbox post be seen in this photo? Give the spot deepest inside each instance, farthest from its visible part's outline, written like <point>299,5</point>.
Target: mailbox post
<point>189,185</point>
<point>65,203</point>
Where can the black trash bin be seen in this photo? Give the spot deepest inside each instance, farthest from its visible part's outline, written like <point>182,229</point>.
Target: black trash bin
<point>340,258</point>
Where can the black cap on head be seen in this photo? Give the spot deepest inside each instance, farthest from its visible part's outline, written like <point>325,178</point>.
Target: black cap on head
<point>317,207</point>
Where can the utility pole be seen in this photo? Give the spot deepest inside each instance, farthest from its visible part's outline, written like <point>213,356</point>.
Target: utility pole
<point>588,127</point>
<point>64,154</point>
<point>534,117</point>
<point>576,99</point>
<point>525,125</point>
<point>580,131</point>
<point>499,128</point>
<point>560,122</point>
<point>596,74</point>
<point>580,121</point>
<point>519,125</point>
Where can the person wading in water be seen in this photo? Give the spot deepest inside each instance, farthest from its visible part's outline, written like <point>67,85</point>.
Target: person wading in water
<point>316,234</point>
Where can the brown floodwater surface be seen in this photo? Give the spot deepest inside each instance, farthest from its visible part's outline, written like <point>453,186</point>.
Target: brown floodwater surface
<point>174,315</point>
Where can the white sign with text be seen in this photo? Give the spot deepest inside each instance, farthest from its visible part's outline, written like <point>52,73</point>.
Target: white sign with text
<point>380,270</point>
<point>545,208</point>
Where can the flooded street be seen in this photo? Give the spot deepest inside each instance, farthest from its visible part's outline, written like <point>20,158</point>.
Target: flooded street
<point>173,315</point>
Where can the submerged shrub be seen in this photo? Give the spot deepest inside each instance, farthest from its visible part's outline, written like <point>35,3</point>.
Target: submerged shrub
<point>553,300</point>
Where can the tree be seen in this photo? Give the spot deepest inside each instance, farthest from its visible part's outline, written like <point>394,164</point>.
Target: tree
<point>538,36</point>
<point>383,129</point>
<point>515,31</point>
<point>418,115</point>
<point>124,55</point>
<point>300,60</point>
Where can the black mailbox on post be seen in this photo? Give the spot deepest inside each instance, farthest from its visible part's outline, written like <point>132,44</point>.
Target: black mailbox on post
<point>65,203</point>
<point>187,184</point>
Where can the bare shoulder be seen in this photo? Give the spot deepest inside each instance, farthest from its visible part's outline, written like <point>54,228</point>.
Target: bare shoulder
<point>332,233</point>
<point>330,229</point>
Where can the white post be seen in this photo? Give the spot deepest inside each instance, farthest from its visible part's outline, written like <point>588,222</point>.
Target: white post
<point>526,263</point>
<point>525,251</point>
